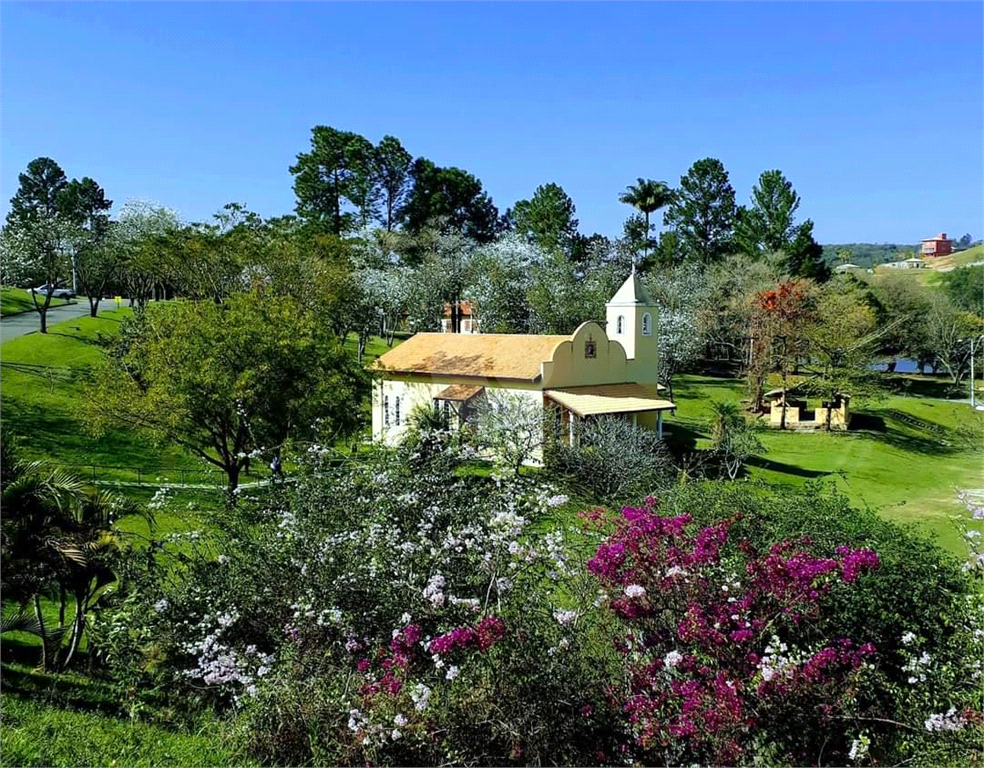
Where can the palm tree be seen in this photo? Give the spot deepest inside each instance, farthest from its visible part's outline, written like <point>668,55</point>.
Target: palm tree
<point>93,533</point>
<point>647,197</point>
<point>35,501</point>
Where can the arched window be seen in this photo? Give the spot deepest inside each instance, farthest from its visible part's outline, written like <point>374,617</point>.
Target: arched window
<point>647,324</point>
<point>620,325</point>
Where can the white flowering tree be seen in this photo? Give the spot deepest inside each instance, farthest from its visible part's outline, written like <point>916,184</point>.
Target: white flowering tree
<point>511,427</point>
<point>500,282</point>
<point>142,238</point>
<point>38,250</point>
<point>681,295</point>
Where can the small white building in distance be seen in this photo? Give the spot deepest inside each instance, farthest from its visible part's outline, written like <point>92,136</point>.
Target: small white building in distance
<point>597,370</point>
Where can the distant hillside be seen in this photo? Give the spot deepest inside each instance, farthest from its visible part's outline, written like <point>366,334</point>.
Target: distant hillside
<point>957,259</point>
<point>872,254</point>
<point>868,254</point>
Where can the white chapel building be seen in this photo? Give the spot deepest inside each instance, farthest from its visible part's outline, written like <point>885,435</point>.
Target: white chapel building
<point>610,369</point>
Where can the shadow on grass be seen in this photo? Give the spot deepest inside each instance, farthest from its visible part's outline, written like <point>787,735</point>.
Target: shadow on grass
<point>908,433</point>
<point>21,678</point>
<point>784,468</point>
<point>681,437</point>
<point>924,386</point>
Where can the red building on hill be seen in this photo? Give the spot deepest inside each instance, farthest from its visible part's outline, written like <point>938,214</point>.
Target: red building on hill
<point>936,246</point>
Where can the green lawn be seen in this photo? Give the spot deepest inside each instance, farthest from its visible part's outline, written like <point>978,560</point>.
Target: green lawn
<point>13,301</point>
<point>42,379</point>
<point>40,734</point>
<point>907,458</point>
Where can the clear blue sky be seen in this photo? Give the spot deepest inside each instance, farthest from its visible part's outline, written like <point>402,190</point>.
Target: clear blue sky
<point>873,110</point>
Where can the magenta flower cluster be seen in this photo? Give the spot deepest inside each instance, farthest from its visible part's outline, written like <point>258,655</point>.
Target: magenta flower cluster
<point>489,631</point>
<point>700,652</point>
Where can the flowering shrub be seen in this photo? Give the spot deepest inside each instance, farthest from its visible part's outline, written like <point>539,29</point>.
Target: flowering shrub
<point>703,651</point>
<point>407,611</point>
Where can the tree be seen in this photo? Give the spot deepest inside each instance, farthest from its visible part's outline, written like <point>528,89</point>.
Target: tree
<point>392,165</point>
<point>510,427</point>
<point>146,240</point>
<point>452,197</point>
<point>38,249</point>
<point>965,241</point>
<point>338,169</point>
<point>33,514</point>
<point>85,205</point>
<point>39,190</point>
<point>732,310</point>
<point>681,296</point>
<point>556,296</point>
<point>703,211</point>
<point>841,342</point>
<point>949,331</point>
<point>964,288</point>
<point>225,380</point>
<point>769,225</point>
<point>93,530</point>
<point>547,218</point>
<point>903,304</point>
<point>38,241</point>
<point>499,284</point>
<point>733,438</point>
<point>647,197</point>
<point>783,314</point>
<point>611,461</point>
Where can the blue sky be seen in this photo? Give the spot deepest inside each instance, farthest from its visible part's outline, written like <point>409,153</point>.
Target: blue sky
<point>873,110</point>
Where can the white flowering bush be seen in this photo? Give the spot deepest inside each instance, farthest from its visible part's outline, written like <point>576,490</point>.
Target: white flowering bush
<point>408,610</point>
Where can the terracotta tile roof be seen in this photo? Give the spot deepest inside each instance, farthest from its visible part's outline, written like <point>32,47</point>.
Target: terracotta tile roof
<point>485,355</point>
<point>459,392</point>
<point>610,398</point>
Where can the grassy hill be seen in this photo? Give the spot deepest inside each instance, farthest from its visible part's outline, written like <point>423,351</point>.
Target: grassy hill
<point>907,456</point>
<point>956,260</point>
<point>13,301</point>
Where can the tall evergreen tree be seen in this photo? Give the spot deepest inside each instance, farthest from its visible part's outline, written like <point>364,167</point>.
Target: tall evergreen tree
<point>769,225</point>
<point>451,196</point>
<point>39,190</point>
<point>547,218</point>
<point>393,164</point>
<point>703,211</point>
<point>338,169</point>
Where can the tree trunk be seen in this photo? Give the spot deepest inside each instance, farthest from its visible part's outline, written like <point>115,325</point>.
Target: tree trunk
<point>61,606</point>
<point>77,627</point>
<point>44,319</point>
<point>890,368</point>
<point>93,306</point>
<point>645,242</point>
<point>232,470</point>
<point>44,635</point>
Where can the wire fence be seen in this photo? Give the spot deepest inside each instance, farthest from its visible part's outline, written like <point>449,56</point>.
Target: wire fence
<point>154,477</point>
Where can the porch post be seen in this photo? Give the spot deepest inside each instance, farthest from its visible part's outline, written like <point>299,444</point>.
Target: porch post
<point>659,424</point>
<point>570,428</point>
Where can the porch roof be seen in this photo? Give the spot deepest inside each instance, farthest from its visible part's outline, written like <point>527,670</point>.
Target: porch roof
<point>459,393</point>
<point>610,398</point>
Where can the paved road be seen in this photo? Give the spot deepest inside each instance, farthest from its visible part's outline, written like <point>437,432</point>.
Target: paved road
<point>28,322</point>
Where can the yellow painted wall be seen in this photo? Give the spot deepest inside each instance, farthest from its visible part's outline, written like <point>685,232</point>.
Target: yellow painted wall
<point>570,368</point>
